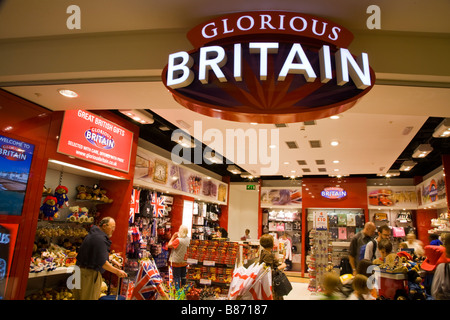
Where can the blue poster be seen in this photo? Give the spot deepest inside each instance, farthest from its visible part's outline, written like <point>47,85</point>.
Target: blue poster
<point>15,163</point>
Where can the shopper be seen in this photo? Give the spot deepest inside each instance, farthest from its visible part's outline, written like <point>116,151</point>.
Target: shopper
<point>434,240</point>
<point>366,268</point>
<point>371,253</point>
<point>440,287</point>
<point>385,248</point>
<point>330,287</point>
<point>415,244</point>
<point>360,239</point>
<point>93,260</point>
<point>360,289</point>
<point>246,236</point>
<point>266,255</point>
<point>179,244</point>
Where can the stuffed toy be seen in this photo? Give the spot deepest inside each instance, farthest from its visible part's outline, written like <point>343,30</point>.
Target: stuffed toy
<point>74,214</point>
<point>61,196</point>
<point>103,196</point>
<point>416,289</point>
<point>49,208</point>
<point>82,192</point>
<point>96,193</point>
<point>84,217</point>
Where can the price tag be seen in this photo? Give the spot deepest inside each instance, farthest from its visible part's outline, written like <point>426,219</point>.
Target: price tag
<point>209,263</point>
<point>320,220</point>
<point>191,261</point>
<point>205,281</point>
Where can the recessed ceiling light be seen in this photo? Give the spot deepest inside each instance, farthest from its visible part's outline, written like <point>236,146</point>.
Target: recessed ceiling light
<point>335,161</point>
<point>68,93</point>
<point>334,143</point>
<point>286,162</point>
<point>253,123</point>
<point>272,146</point>
<point>335,117</point>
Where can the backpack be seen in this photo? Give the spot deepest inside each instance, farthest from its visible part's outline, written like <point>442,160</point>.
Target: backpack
<point>362,250</point>
<point>345,267</point>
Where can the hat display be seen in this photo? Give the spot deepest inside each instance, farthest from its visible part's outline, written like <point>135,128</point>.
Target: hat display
<point>435,255</point>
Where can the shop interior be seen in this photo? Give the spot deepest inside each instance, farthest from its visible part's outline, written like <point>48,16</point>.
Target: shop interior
<point>333,174</point>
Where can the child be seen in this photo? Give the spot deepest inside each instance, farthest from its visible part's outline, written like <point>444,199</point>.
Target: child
<point>266,256</point>
<point>360,289</point>
<point>330,285</point>
<point>385,248</point>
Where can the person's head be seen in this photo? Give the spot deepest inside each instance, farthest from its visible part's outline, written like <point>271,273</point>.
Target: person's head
<point>223,233</point>
<point>247,232</point>
<point>362,267</point>
<point>330,282</point>
<point>182,231</point>
<point>266,241</point>
<point>410,237</point>
<point>384,232</point>
<point>385,247</point>
<point>107,225</point>
<point>433,236</point>
<point>360,284</point>
<point>369,229</point>
<point>446,242</point>
<point>403,245</point>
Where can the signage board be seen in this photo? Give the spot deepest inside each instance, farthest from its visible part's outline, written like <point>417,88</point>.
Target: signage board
<point>89,137</point>
<point>333,193</point>
<point>15,164</point>
<point>268,67</point>
<point>251,187</point>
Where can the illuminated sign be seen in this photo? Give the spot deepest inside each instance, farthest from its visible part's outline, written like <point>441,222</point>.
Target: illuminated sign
<point>15,163</point>
<point>333,193</point>
<point>268,67</point>
<point>87,136</point>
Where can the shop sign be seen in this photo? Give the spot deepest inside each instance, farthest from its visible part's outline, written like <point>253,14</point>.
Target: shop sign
<point>15,163</point>
<point>268,67</point>
<point>87,136</point>
<point>333,193</point>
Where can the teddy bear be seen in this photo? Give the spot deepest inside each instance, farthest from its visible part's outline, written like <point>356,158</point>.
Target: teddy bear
<point>74,214</point>
<point>96,193</point>
<point>416,289</point>
<point>61,196</point>
<point>49,208</point>
<point>103,196</point>
<point>84,217</point>
<point>82,194</point>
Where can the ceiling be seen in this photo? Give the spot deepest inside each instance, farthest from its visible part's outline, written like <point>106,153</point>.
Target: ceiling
<point>115,60</point>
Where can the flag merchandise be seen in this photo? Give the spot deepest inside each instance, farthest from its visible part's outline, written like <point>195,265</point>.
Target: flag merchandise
<point>148,282</point>
<point>134,204</point>
<point>252,283</point>
<point>158,205</point>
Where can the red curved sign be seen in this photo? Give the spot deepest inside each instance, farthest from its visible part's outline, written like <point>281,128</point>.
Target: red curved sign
<point>268,67</point>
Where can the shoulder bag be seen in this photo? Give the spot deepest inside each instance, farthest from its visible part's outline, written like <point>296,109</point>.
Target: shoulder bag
<point>281,284</point>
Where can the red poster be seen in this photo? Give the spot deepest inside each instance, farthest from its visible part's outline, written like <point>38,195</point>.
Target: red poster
<point>87,136</point>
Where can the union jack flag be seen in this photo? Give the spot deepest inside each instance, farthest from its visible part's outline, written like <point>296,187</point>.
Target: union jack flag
<point>148,282</point>
<point>158,204</point>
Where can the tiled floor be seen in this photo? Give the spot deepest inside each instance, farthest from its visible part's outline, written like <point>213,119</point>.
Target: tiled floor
<point>299,289</point>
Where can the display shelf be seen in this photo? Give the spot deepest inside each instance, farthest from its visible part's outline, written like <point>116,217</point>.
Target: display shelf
<point>57,271</point>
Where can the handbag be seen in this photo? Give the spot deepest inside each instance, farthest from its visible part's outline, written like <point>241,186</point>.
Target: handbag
<point>281,284</point>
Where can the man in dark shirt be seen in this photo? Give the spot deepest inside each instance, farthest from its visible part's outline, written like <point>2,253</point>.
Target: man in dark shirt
<point>93,259</point>
<point>360,239</point>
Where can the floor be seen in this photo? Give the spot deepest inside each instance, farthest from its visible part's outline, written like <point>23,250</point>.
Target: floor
<point>299,288</point>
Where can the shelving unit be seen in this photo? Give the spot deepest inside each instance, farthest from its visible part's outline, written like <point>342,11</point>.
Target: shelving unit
<point>58,240</point>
